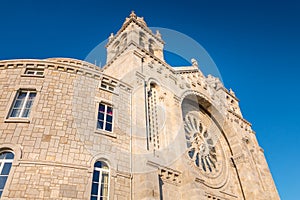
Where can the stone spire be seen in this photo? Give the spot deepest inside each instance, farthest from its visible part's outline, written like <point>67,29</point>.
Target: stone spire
<point>132,15</point>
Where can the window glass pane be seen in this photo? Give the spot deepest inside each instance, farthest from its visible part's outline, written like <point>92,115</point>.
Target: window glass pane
<point>108,127</point>
<point>22,95</point>
<point>95,188</point>
<point>110,88</point>
<point>101,164</point>
<point>25,113</point>
<point>103,85</point>
<point>104,185</point>
<point>104,180</point>
<point>100,125</point>
<point>100,116</point>
<point>98,164</point>
<point>104,166</point>
<point>109,110</point>
<point>2,155</point>
<point>101,108</point>
<point>6,169</point>
<point>96,176</point>
<point>101,191</point>
<point>18,103</point>
<point>2,181</point>
<point>39,72</point>
<point>9,155</point>
<point>28,104</point>
<point>93,198</point>
<point>105,191</point>
<point>109,118</point>
<point>29,72</point>
<point>15,113</point>
<point>32,95</point>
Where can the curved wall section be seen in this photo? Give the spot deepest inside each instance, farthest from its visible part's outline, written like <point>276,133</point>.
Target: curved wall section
<point>57,141</point>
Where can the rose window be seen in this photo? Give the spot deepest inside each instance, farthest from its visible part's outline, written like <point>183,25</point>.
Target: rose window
<point>200,143</point>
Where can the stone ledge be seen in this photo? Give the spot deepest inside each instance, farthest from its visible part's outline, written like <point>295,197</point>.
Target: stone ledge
<point>17,120</point>
<point>31,75</point>
<point>105,133</point>
<point>54,164</point>
<point>167,174</point>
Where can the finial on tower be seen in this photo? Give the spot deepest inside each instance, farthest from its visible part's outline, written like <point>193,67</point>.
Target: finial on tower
<point>158,34</point>
<point>132,14</point>
<point>231,92</point>
<point>194,62</point>
<point>111,37</point>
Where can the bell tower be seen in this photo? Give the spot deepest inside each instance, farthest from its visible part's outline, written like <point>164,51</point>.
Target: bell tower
<point>134,31</point>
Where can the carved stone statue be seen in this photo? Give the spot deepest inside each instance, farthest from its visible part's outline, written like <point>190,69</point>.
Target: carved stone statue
<point>194,62</point>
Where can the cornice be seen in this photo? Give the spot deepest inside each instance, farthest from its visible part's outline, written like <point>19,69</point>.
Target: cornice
<point>231,95</point>
<point>239,117</point>
<point>186,71</point>
<point>67,65</point>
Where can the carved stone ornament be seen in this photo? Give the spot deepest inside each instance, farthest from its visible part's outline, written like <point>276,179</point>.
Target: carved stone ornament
<point>201,146</point>
<point>204,148</point>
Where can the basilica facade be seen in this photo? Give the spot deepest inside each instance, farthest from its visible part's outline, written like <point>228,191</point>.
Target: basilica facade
<point>137,128</point>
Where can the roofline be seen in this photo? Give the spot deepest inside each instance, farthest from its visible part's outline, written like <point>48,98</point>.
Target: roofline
<point>124,26</point>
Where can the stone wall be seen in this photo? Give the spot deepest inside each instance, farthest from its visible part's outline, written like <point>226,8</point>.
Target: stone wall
<point>177,134</point>
<point>59,143</point>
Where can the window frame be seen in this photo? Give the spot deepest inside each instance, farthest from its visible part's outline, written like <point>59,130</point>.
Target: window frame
<point>142,39</point>
<point>108,85</point>
<point>23,105</point>
<point>105,113</point>
<point>101,170</point>
<point>35,72</point>
<point>37,89</point>
<point>2,163</point>
<point>151,46</point>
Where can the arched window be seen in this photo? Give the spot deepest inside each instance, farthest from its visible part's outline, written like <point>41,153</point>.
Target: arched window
<point>6,159</point>
<point>100,184</point>
<point>151,46</point>
<point>116,47</point>
<point>142,39</point>
<point>124,39</point>
<point>152,116</point>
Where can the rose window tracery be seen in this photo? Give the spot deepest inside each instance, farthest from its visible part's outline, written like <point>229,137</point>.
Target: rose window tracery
<point>200,143</point>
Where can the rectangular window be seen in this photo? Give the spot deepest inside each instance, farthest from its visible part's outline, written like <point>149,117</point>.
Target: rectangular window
<point>22,104</point>
<point>34,72</point>
<point>105,117</point>
<point>108,84</point>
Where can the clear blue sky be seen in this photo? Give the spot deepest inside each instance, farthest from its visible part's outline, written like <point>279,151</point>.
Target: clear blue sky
<point>255,45</point>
